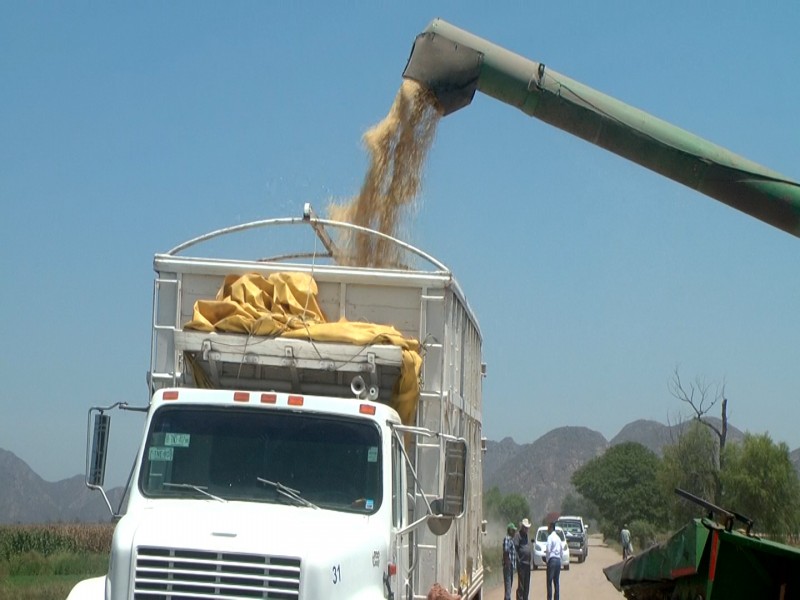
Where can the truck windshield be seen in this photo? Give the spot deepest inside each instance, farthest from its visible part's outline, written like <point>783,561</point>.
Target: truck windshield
<point>263,456</point>
<point>570,526</point>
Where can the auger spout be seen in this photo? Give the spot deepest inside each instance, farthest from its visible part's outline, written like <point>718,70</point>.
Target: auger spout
<point>453,64</point>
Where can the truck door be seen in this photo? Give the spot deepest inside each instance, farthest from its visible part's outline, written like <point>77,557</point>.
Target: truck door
<point>401,544</point>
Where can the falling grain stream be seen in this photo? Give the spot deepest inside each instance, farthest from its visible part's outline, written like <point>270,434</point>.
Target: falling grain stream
<point>397,147</point>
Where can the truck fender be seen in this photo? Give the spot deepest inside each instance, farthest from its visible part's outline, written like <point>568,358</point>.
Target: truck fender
<point>89,589</point>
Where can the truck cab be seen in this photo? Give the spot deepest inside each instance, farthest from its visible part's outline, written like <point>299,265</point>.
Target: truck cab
<point>239,493</point>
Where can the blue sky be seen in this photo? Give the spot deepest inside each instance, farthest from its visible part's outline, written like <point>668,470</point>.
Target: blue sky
<point>127,128</point>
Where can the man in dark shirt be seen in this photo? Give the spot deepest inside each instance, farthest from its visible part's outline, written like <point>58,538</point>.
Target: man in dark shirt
<point>524,548</point>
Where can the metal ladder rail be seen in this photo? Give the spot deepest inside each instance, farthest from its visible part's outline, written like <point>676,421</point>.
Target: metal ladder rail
<point>427,551</point>
<point>158,328</point>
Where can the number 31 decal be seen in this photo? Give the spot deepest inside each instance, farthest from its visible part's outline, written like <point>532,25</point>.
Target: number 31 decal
<point>336,571</point>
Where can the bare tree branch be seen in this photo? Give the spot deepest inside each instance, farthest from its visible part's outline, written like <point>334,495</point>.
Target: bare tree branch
<point>698,396</point>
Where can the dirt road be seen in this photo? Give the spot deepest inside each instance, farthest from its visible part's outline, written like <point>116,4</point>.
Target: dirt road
<point>584,580</point>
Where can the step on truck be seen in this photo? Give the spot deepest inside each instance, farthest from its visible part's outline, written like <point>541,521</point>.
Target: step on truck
<point>313,430</point>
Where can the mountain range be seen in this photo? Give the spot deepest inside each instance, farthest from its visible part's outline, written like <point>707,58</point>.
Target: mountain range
<point>540,471</point>
<point>27,498</point>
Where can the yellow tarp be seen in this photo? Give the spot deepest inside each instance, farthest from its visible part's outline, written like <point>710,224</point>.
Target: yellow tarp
<point>285,305</point>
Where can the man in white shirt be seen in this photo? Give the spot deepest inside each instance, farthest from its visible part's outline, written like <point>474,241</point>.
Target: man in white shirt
<point>553,555</point>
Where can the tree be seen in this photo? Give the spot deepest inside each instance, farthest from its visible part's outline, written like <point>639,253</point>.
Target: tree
<point>514,508</point>
<point>575,504</point>
<point>761,483</point>
<point>699,396</point>
<point>622,484</point>
<point>690,463</point>
<point>491,502</point>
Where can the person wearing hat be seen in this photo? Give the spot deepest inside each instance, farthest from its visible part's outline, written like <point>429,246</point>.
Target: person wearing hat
<point>524,549</point>
<point>509,560</point>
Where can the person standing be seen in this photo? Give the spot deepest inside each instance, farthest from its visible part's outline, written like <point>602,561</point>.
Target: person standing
<point>524,548</point>
<point>625,542</point>
<point>553,553</point>
<point>509,560</point>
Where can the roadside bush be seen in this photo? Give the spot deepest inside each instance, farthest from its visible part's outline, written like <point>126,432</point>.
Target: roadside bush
<point>33,564</point>
<point>643,534</point>
<point>492,564</point>
<point>81,564</point>
<point>610,531</point>
<point>28,563</point>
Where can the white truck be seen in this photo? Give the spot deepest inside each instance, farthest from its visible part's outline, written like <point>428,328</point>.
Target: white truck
<point>274,466</point>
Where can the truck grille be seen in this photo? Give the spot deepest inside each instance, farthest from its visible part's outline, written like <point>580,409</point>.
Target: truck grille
<point>170,574</point>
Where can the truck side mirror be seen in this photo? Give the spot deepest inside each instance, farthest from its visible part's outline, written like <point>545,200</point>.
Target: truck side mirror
<point>455,478</point>
<point>96,472</point>
<point>451,504</point>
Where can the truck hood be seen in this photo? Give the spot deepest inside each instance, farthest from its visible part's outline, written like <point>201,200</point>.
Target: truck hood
<point>341,555</point>
<point>249,527</point>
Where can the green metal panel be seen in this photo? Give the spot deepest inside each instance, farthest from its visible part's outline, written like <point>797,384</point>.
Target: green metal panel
<point>704,558</point>
<point>748,567</point>
<point>663,564</point>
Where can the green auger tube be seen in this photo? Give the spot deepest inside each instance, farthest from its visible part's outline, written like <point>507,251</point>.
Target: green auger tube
<point>453,64</point>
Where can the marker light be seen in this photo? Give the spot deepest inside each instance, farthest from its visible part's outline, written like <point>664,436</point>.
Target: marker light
<point>295,401</point>
<point>269,398</point>
<point>171,395</point>
<point>241,397</point>
<point>366,409</point>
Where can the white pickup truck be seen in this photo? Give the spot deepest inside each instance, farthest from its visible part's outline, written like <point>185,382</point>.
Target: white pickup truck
<point>283,465</point>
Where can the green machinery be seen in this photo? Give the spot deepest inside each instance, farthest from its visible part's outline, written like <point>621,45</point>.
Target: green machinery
<point>707,559</point>
<point>453,64</point>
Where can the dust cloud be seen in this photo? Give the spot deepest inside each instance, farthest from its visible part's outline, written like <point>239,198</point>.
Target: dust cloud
<point>397,148</point>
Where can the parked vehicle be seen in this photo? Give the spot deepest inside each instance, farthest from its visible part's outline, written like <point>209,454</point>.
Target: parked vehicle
<point>577,536</point>
<point>540,549</point>
<point>332,457</point>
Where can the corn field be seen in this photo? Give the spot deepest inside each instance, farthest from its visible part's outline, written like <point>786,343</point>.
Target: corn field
<point>47,540</point>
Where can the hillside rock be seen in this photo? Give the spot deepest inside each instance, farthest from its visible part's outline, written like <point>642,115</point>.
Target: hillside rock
<point>655,436</point>
<point>541,471</point>
<point>27,498</point>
